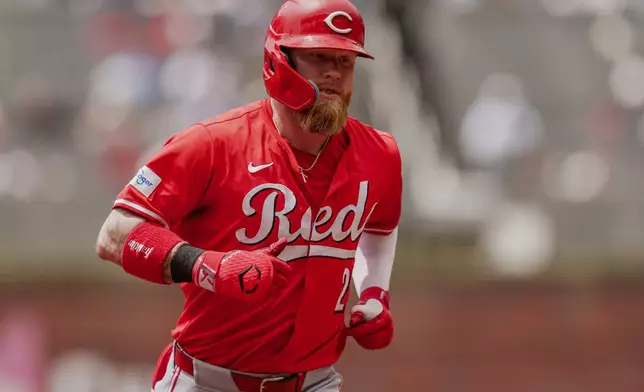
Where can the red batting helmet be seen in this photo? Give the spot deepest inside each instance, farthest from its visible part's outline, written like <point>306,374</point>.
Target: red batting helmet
<point>330,24</point>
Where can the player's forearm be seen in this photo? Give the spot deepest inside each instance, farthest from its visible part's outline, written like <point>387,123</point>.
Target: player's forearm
<point>150,251</point>
<point>112,235</point>
<point>112,241</point>
<point>374,260</point>
<point>153,253</point>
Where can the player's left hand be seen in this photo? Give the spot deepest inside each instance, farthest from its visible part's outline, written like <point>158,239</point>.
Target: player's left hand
<point>371,324</point>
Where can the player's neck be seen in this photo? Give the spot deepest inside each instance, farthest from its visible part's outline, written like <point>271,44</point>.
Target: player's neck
<point>290,128</point>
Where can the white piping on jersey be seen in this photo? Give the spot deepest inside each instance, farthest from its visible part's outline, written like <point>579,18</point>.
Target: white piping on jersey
<point>293,252</point>
<point>144,210</point>
<point>329,251</point>
<point>388,231</point>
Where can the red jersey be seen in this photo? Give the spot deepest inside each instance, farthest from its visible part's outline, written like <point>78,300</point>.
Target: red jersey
<point>234,183</point>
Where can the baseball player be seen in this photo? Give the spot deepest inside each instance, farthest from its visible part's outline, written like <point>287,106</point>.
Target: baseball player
<point>264,215</point>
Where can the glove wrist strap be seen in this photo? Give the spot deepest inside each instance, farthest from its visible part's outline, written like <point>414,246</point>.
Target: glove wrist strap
<point>205,269</point>
<point>378,293</point>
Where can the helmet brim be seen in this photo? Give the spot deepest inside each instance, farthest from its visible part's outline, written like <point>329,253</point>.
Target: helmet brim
<point>324,42</point>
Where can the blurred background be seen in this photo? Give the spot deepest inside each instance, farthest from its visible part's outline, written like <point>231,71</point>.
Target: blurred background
<point>520,260</point>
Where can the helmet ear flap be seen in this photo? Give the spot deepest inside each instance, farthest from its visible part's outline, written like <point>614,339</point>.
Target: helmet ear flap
<point>284,84</point>
<point>286,55</point>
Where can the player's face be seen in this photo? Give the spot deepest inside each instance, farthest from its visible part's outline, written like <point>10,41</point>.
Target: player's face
<point>332,71</point>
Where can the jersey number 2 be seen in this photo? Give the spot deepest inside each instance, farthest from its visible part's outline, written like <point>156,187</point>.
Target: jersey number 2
<point>346,278</point>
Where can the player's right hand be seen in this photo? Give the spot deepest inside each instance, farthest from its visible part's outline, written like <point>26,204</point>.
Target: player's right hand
<point>250,276</point>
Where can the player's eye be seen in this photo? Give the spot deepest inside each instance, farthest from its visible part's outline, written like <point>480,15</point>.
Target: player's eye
<point>346,61</point>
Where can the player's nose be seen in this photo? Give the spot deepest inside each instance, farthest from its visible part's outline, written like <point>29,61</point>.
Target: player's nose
<point>332,73</point>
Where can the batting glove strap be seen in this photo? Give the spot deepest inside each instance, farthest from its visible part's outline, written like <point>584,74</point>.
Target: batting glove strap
<point>204,272</point>
<point>378,293</point>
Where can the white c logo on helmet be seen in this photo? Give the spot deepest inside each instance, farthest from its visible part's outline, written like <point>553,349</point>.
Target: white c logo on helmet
<point>329,22</point>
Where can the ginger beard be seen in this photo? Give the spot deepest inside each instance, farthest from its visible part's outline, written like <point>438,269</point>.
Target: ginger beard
<point>326,116</point>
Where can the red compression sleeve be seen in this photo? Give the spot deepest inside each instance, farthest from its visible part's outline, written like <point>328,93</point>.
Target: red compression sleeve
<point>145,251</point>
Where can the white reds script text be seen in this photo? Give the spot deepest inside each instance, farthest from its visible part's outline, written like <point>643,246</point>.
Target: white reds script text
<point>308,228</point>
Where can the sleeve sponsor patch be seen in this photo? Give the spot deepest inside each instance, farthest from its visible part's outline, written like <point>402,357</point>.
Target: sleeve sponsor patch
<point>145,181</point>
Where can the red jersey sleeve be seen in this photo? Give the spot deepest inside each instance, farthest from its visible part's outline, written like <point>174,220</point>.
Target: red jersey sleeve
<point>174,180</point>
<point>386,214</point>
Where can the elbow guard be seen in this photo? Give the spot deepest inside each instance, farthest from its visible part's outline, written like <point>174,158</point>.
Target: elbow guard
<point>146,249</point>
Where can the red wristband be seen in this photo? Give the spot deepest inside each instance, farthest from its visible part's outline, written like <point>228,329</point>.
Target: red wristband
<point>145,251</point>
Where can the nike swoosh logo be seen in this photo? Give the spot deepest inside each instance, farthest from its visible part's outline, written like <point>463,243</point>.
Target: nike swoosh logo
<point>254,169</point>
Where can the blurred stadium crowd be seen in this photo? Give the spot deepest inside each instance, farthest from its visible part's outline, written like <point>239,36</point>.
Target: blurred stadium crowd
<point>520,124</point>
